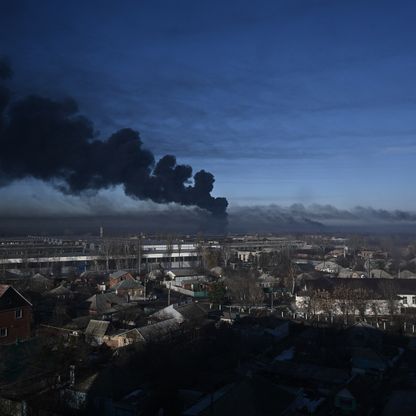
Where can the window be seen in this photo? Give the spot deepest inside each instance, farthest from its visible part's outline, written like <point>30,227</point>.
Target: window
<point>3,332</point>
<point>18,314</point>
<point>414,300</point>
<point>404,298</point>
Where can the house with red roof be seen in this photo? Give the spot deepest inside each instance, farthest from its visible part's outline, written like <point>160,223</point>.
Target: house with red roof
<point>15,316</point>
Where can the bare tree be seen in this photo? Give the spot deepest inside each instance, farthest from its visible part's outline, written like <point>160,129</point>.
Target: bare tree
<point>311,303</point>
<point>317,302</point>
<point>179,245</point>
<point>139,253</point>
<point>375,307</point>
<point>344,296</point>
<point>289,280</point>
<point>361,300</point>
<point>245,290</point>
<point>107,249</point>
<point>210,258</point>
<point>199,247</point>
<point>324,302</point>
<point>389,293</point>
<point>169,248</point>
<point>226,254</point>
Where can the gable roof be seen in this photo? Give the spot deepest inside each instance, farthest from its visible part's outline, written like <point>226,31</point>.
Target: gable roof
<point>61,290</point>
<point>188,311</point>
<point>3,289</point>
<point>127,284</point>
<point>406,274</point>
<point>328,265</point>
<point>191,311</point>
<point>118,274</point>
<point>380,274</point>
<point>39,283</point>
<point>39,276</point>
<point>345,393</point>
<point>97,328</point>
<point>159,330</point>
<point>182,272</point>
<point>6,288</point>
<point>102,302</point>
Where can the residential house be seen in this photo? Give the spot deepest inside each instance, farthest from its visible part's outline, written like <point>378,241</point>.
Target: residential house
<point>353,398</point>
<point>192,311</point>
<point>106,393</point>
<point>104,303</point>
<point>266,281</point>
<point>232,316</point>
<point>100,332</point>
<point>188,283</point>
<point>180,273</point>
<point>39,283</point>
<point>345,401</point>
<point>363,335</point>
<point>368,361</point>
<point>345,273</point>
<point>129,289</point>
<point>377,296</point>
<point>61,292</point>
<point>247,256</point>
<point>328,267</point>
<point>118,276</point>
<point>159,331</point>
<point>358,274</point>
<point>406,274</point>
<point>379,274</point>
<point>173,320</point>
<point>95,331</point>
<point>15,316</point>
<point>216,271</point>
<point>406,291</point>
<point>338,252</point>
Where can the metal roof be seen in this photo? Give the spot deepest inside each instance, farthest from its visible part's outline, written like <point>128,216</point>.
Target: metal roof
<point>97,328</point>
<point>118,273</point>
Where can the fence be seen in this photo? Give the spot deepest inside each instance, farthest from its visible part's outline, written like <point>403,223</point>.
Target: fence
<point>393,323</point>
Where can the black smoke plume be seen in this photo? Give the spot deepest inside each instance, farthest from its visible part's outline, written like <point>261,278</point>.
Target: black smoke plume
<point>51,141</point>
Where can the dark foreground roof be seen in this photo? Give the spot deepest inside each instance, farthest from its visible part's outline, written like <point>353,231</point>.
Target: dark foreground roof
<point>254,395</point>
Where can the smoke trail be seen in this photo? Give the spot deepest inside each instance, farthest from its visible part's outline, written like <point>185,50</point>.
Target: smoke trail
<point>51,141</point>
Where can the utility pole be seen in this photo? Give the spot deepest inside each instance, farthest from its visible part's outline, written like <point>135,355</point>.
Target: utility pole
<point>140,253</point>
<point>144,293</point>
<point>369,265</point>
<point>170,283</point>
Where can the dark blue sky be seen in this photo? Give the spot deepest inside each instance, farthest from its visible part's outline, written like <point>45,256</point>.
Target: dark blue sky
<point>284,101</point>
